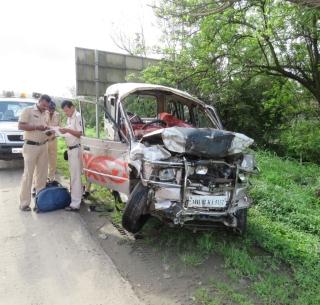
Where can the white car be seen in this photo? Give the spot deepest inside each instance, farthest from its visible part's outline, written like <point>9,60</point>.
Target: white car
<point>11,138</point>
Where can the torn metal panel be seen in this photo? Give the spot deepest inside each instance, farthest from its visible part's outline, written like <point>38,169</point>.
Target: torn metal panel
<point>167,193</point>
<point>204,142</point>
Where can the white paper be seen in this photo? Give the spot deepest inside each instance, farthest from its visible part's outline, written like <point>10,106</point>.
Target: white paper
<point>55,129</point>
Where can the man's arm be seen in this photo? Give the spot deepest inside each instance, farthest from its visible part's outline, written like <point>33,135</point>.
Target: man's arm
<point>30,127</point>
<point>73,132</point>
<point>77,132</point>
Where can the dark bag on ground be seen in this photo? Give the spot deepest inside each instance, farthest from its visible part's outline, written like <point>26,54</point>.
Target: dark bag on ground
<point>52,198</point>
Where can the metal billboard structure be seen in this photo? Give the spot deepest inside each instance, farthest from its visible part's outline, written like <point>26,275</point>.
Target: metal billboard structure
<point>96,70</point>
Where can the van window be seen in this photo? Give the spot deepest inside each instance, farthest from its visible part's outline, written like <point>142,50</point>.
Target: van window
<point>194,115</point>
<point>144,106</point>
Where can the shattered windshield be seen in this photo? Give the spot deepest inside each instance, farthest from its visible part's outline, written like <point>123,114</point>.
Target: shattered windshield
<point>193,114</point>
<point>150,111</point>
<point>143,106</point>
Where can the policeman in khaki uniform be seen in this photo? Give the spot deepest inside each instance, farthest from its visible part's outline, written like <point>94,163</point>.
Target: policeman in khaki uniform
<point>73,132</point>
<point>53,121</point>
<point>34,121</point>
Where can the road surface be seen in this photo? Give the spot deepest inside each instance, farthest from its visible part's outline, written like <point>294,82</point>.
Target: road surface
<point>50,258</point>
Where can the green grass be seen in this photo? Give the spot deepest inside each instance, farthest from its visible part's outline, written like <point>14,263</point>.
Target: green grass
<point>62,165</point>
<point>223,295</point>
<point>280,254</point>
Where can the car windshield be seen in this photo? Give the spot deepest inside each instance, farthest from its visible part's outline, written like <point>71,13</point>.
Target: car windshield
<point>10,111</point>
<point>149,111</point>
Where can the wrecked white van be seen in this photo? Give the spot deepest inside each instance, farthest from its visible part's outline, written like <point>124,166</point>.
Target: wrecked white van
<point>167,151</point>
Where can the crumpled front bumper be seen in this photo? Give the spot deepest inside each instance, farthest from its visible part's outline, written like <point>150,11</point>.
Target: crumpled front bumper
<point>174,209</point>
<point>170,199</point>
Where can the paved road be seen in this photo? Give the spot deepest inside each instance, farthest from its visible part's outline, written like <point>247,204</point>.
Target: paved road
<point>50,259</point>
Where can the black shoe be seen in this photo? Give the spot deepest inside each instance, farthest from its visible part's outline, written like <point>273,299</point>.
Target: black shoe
<point>85,195</point>
<point>100,208</point>
<point>70,209</point>
<point>25,209</point>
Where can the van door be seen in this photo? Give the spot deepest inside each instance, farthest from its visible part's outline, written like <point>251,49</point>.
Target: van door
<point>105,160</point>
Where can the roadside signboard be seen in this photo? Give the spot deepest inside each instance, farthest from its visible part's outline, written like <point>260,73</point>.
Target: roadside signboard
<point>96,70</point>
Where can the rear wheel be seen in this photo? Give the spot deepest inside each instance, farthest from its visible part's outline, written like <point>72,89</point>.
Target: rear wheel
<point>135,212</point>
<point>241,216</point>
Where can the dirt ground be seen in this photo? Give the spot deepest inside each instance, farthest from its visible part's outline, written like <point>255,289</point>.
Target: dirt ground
<point>157,276</point>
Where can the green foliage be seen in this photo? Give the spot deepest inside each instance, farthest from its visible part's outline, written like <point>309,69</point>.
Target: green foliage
<point>257,61</point>
<point>89,115</point>
<point>62,165</point>
<point>143,106</point>
<point>302,139</point>
<point>286,218</point>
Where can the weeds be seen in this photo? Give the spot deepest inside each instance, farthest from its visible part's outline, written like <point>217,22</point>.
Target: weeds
<point>285,221</point>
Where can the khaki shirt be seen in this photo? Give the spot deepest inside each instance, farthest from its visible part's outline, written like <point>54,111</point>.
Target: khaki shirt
<point>53,121</point>
<point>74,123</point>
<point>33,116</point>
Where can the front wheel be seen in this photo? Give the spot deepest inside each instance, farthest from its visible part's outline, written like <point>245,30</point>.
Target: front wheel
<point>135,212</point>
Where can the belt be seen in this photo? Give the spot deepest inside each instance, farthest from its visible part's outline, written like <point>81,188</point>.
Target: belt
<point>35,143</point>
<point>73,147</point>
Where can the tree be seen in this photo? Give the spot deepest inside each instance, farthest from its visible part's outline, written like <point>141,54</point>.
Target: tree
<point>135,45</point>
<point>253,37</point>
<point>7,93</point>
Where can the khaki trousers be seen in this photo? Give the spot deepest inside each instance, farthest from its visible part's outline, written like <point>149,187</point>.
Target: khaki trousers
<point>52,157</point>
<point>75,168</point>
<point>35,161</point>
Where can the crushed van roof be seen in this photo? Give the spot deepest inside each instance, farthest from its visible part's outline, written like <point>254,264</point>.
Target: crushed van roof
<point>124,89</point>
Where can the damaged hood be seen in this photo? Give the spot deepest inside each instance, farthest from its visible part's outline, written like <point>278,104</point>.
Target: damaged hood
<point>204,142</point>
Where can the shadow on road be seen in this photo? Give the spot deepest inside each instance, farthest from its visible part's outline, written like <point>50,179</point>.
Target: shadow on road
<point>11,165</point>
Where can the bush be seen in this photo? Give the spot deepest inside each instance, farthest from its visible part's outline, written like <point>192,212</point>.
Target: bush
<point>302,140</point>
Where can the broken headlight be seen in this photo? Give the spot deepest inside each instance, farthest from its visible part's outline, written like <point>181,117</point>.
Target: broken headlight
<point>201,170</point>
<point>248,163</point>
<point>242,177</point>
<point>167,174</point>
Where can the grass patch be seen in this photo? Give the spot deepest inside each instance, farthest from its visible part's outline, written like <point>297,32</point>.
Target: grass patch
<point>192,259</point>
<point>62,165</point>
<point>223,294</point>
<point>284,224</point>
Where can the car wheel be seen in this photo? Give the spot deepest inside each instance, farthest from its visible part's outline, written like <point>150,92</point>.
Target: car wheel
<point>241,216</point>
<point>134,214</point>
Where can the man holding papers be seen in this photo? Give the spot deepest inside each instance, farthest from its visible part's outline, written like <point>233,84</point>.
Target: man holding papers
<point>72,133</point>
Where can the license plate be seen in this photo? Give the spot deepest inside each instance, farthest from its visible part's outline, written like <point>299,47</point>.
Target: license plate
<point>207,201</point>
<point>17,150</point>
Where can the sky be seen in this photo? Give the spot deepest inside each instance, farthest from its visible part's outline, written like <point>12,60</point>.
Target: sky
<point>38,38</point>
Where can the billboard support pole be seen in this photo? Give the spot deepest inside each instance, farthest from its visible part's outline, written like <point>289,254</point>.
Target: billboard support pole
<point>96,80</point>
